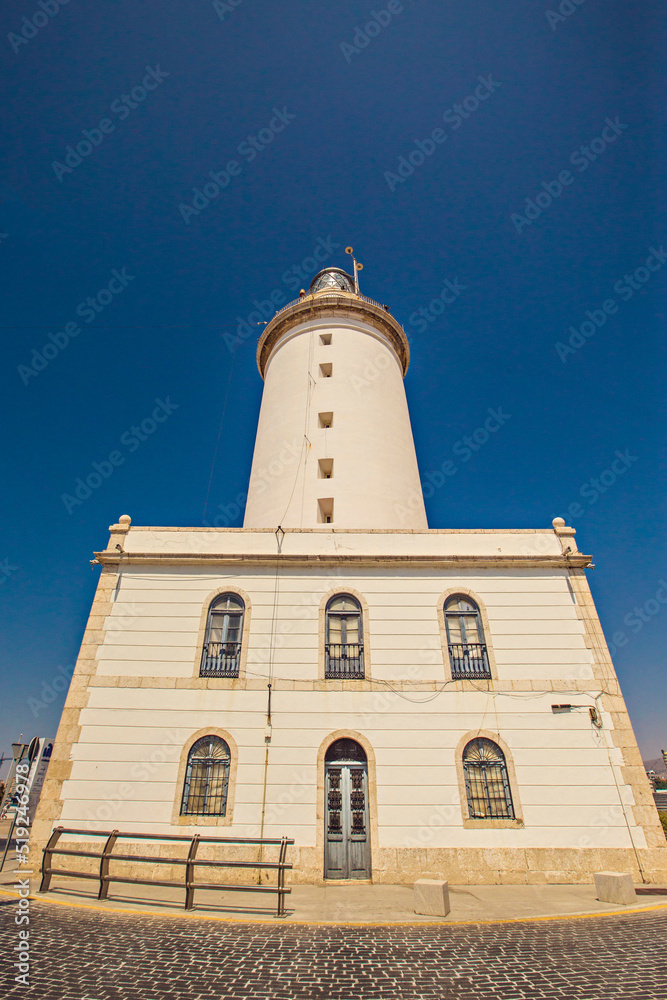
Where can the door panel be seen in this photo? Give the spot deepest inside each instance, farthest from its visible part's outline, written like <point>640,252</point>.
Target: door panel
<point>347,840</point>
<point>335,861</point>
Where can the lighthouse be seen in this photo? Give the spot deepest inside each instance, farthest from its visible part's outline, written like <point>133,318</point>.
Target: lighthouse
<point>402,701</point>
<point>334,444</point>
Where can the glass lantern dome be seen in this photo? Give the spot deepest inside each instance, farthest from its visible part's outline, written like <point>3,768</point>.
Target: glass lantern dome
<point>332,279</point>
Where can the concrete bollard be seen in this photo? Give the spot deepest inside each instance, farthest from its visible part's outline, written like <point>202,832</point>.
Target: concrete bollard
<point>613,887</point>
<point>432,897</point>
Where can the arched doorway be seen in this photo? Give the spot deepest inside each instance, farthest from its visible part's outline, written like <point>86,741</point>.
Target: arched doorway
<point>347,845</point>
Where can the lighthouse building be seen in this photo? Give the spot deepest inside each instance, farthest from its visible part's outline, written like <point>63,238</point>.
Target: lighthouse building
<point>403,701</point>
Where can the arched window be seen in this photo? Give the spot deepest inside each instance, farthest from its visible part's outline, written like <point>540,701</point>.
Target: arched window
<point>465,638</point>
<point>206,778</point>
<point>344,642</point>
<point>222,644</point>
<point>487,784</point>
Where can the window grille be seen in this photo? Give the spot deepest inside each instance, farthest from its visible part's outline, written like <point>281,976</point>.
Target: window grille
<point>345,751</point>
<point>344,642</point>
<point>206,778</point>
<point>487,784</point>
<point>222,643</point>
<point>465,638</point>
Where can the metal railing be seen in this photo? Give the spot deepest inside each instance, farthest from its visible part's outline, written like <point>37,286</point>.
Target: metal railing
<point>344,659</point>
<point>332,291</point>
<point>105,856</point>
<point>469,659</point>
<point>220,659</point>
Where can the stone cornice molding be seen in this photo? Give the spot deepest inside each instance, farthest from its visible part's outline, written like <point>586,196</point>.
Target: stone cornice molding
<point>336,306</point>
<point>563,562</point>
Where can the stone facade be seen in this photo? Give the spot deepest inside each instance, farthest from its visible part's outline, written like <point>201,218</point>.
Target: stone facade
<point>137,702</point>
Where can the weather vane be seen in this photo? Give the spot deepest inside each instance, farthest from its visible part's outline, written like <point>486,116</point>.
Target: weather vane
<point>356,268</point>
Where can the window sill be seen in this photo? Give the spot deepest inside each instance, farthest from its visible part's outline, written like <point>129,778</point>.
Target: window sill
<point>493,824</point>
<point>196,822</point>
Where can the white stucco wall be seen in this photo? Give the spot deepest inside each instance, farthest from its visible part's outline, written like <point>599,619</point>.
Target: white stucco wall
<point>564,780</point>
<point>375,481</point>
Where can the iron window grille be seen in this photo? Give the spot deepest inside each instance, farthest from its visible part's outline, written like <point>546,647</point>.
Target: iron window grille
<point>222,644</point>
<point>487,784</point>
<point>206,778</point>
<point>465,638</point>
<point>344,645</point>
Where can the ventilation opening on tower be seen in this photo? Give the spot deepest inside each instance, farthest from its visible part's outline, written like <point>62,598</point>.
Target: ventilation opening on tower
<point>325,511</point>
<point>325,419</point>
<point>325,468</point>
<point>325,339</point>
<point>326,371</point>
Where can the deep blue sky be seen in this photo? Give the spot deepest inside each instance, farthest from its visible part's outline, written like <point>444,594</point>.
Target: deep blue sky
<point>323,177</point>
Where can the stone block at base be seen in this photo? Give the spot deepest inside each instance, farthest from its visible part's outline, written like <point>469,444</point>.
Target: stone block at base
<point>432,897</point>
<point>614,888</point>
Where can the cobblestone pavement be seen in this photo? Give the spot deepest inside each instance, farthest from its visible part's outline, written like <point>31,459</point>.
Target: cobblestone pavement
<point>79,954</point>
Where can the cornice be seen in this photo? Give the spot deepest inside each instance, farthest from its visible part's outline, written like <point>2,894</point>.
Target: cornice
<point>337,305</point>
<point>564,562</point>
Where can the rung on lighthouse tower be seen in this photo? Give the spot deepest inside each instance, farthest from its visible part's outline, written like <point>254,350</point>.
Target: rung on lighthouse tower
<point>404,702</point>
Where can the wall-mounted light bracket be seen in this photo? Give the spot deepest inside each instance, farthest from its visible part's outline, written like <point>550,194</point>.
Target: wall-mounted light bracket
<point>595,717</point>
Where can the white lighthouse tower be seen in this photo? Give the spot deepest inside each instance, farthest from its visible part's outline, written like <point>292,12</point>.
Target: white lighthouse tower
<point>334,443</point>
<point>402,701</point>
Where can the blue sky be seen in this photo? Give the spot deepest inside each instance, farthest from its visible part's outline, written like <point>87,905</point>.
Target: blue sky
<point>537,200</point>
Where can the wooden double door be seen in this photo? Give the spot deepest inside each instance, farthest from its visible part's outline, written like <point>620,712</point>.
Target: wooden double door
<point>347,847</point>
